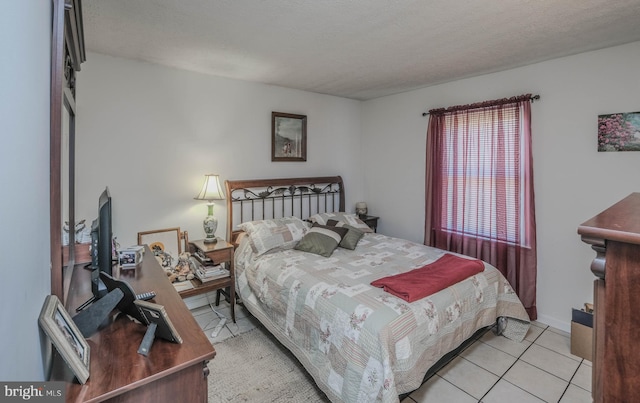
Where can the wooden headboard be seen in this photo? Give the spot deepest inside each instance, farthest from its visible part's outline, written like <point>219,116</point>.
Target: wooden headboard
<point>259,199</point>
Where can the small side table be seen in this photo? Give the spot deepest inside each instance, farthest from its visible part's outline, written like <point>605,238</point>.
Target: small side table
<point>220,252</point>
<point>371,221</point>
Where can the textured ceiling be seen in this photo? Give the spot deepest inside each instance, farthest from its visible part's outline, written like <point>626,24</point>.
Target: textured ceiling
<point>359,49</point>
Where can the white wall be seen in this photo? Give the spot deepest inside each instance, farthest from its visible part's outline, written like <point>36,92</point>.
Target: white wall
<point>150,133</point>
<point>25,40</point>
<point>157,131</point>
<point>573,182</point>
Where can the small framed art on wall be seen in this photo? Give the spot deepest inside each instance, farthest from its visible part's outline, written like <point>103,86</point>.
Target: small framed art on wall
<point>288,137</point>
<point>619,132</point>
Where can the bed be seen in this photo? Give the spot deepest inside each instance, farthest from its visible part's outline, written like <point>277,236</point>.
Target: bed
<point>359,342</point>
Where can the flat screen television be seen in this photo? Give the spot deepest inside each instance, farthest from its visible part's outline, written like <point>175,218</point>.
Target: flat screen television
<point>101,245</point>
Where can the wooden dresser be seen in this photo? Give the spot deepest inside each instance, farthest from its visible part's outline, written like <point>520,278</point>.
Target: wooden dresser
<point>615,236</point>
<point>170,373</point>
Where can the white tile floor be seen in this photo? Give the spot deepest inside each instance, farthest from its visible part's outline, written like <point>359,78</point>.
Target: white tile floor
<point>493,369</point>
<point>208,319</point>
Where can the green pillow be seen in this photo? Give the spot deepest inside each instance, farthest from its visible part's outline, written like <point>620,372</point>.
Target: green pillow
<point>353,236</point>
<point>321,240</point>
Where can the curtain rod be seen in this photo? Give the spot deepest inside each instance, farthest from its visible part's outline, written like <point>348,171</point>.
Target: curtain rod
<point>532,98</point>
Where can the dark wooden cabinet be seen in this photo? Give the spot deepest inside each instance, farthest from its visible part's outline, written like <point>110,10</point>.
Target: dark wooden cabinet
<point>169,373</point>
<point>615,236</point>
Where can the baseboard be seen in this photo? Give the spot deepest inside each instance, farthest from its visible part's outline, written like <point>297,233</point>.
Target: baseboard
<point>553,322</point>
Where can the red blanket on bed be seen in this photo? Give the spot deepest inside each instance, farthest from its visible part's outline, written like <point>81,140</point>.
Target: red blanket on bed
<point>429,279</point>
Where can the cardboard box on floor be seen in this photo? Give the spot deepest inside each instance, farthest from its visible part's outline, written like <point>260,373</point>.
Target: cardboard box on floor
<point>582,334</point>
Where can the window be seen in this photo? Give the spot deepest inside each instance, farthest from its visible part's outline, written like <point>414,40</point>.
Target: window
<point>481,186</point>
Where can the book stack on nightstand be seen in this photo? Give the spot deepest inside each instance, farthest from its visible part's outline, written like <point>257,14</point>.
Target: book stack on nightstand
<point>217,273</point>
<point>210,272</point>
<point>206,270</point>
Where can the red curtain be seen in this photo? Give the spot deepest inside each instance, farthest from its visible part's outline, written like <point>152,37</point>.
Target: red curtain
<point>479,188</point>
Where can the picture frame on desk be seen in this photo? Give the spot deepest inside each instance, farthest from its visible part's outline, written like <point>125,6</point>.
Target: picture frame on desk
<point>165,240</point>
<point>131,257</point>
<point>56,323</point>
<point>155,313</point>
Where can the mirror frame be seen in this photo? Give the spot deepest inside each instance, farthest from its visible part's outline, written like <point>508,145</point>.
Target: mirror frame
<point>67,53</point>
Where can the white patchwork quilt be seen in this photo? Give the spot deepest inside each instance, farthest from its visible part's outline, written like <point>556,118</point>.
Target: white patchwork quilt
<point>360,343</point>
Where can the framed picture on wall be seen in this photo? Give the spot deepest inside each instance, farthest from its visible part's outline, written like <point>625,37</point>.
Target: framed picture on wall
<point>288,137</point>
<point>619,132</point>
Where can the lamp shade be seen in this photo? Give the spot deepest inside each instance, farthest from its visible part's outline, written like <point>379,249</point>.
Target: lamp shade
<point>211,189</point>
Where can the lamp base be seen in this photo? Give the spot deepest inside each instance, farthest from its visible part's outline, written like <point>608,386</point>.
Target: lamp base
<point>210,225</point>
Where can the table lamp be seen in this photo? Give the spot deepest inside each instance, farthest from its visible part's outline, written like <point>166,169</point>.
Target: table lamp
<point>211,190</point>
<point>361,209</point>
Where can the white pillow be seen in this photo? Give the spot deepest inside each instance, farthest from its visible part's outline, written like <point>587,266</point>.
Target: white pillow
<point>344,218</point>
<point>276,234</point>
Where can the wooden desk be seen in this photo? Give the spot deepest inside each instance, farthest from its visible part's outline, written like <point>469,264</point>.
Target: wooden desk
<point>170,373</point>
<point>220,252</point>
<point>615,236</point>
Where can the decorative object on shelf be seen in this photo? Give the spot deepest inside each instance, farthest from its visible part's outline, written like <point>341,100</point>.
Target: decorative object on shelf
<point>211,190</point>
<point>361,209</point>
<point>619,132</point>
<point>288,137</point>
<point>183,270</point>
<point>65,336</point>
<point>82,233</point>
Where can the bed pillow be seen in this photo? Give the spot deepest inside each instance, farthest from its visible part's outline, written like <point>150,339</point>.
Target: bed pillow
<point>353,236</point>
<point>322,239</point>
<point>345,218</point>
<point>276,234</point>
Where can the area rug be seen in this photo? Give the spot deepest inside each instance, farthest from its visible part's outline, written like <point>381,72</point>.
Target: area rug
<point>255,367</point>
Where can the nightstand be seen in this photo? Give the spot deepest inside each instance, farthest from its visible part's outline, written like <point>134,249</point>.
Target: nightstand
<point>371,221</point>
<point>220,252</point>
